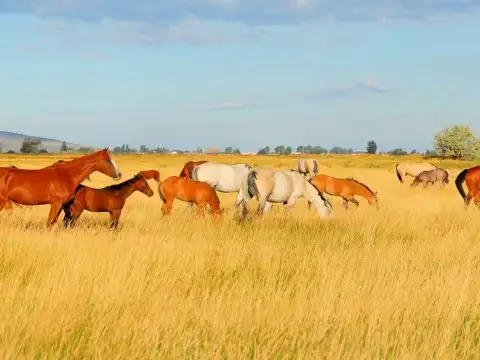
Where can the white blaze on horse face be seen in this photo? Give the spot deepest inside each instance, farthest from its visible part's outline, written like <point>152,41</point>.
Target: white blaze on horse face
<point>118,173</point>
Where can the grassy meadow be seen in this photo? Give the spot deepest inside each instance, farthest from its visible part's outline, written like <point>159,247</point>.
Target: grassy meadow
<point>401,282</point>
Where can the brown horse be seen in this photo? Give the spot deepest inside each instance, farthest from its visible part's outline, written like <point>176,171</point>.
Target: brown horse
<point>471,177</point>
<point>188,168</point>
<point>345,188</point>
<point>54,185</point>
<point>197,192</point>
<point>109,199</point>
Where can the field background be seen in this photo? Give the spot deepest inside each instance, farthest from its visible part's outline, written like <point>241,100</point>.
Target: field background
<point>402,282</point>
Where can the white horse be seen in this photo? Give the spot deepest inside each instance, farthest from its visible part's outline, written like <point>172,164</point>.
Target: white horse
<point>225,178</point>
<point>307,167</point>
<point>279,186</point>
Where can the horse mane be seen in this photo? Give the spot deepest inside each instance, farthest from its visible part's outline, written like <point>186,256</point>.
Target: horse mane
<point>360,183</point>
<point>123,184</point>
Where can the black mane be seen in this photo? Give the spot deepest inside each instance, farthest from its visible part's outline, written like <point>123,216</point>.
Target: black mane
<point>122,185</point>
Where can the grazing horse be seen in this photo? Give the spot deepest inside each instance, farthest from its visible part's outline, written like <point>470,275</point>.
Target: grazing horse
<point>54,185</point>
<point>344,188</point>
<point>412,169</point>
<point>109,199</point>
<point>307,167</point>
<point>471,176</point>
<point>188,168</point>
<point>431,176</point>
<point>191,191</point>
<point>278,186</point>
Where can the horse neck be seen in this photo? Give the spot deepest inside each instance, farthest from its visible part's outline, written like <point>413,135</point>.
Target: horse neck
<point>364,192</point>
<point>128,189</point>
<point>80,171</point>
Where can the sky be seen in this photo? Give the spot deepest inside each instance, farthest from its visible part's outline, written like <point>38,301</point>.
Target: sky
<point>241,73</point>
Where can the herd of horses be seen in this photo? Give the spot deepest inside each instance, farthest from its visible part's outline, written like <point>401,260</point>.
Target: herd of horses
<point>60,186</point>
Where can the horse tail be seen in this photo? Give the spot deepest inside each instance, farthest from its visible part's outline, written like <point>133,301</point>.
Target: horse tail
<point>459,181</point>
<point>398,174</point>
<point>162,197</point>
<point>251,185</point>
<point>315,167</point>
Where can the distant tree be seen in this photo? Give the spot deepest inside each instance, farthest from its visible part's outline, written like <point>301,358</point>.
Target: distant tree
<point>318,150</point>
<point>457,142</point>
<point>264,151</point>
<point>398,151</point>
<point>1,147</point>
<point>340,150</point>
<point>228,150</point>
<point>11,152</point>
<point>237,151</point>
<point>144,149</point>
<point>279,149</point>
<point>63,147</point>
<point>43,151</point>
<point>30,146</point>
<point>301,149</point>
<point>288,150</point>
<point>371,147</point>
<point>85,150</point>
<point>413,152</point>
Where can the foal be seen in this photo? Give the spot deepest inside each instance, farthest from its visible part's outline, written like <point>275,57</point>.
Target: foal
<point>109,199</point>
<point>191,191</point>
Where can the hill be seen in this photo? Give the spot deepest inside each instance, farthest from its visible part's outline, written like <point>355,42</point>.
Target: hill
<point>13,141</point>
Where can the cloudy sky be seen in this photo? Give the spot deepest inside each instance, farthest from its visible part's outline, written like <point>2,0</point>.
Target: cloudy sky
<point>242,73</point>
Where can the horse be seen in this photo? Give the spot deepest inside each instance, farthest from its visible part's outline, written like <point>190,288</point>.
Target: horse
<point>53,185</point>
<point>225,178</point>
<point>412,169</point>
<point>431,176</point>
<point>471,176</point>
<point>109,199</point>
<point>188,168</point>
<point>307,167</point>
<point>344,188</point>
<point>191,191</point>
<point>278,186</point>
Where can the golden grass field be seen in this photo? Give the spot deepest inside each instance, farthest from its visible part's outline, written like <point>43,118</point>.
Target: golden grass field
<point>402,282</point>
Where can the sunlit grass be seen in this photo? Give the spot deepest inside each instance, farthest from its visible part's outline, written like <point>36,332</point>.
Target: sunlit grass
<point>402,282</point>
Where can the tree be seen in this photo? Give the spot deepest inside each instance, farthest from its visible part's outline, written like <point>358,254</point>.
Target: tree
<point>228,150</point>
<point>371,147</point>
<point>398,151</point>
<point>288,150</point>
<point>264,151</point>
<point>64,146</point>
<point>30,146</point>
<point>458,142</point>
<point>144,149</point>
<point>237,151</point>
<point>301,149</point>
<point>279,149</point>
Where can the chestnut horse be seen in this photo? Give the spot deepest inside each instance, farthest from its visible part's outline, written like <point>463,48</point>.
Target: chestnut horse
<point>197,192</point>
<point>471,177</point>
<point>188,168</point>
<point>53,185</point>
<point>345,188</point>
<point>109,199</point>
<point>8,204</point>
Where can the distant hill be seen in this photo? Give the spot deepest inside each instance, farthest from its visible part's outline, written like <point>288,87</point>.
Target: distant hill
<point>13,141</point>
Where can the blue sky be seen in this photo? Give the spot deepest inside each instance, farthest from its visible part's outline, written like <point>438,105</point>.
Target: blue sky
<point>215,73</point>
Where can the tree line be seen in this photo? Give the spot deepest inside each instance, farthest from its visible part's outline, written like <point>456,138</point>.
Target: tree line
<point>455,142</point>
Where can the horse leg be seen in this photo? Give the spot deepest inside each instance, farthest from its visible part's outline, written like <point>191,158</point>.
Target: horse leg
<point>262,204</point>
<point>201,209</point>
<point>55,210</point>
<point>115,218</point>
<point>345,203</point>
<point>354,201</point>
<point>167,207</point>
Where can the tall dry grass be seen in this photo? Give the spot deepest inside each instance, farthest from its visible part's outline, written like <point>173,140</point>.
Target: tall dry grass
<point>402,282</point>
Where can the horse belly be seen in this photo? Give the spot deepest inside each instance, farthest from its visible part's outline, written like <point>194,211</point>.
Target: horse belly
<point>282,191</point>
<point>27,196</point>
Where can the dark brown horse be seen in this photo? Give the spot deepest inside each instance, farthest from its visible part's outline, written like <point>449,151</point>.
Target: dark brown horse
<point>471,177</point>
<point>54,185</point>
<point>109,199</point>
<point>188,168</point>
